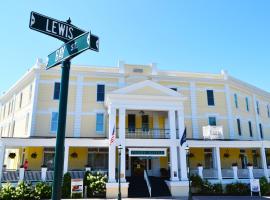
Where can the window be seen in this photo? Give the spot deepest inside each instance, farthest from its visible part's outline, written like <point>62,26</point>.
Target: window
<point>236,100</point>
<point>239,127</point>
<point>247,104</point>
<point>100,92</point>
<point>175,89</point>
<point>208,158</point>
<point>258,107</point>
<point>48,158</point>
<point>212,121</point>
<point>210,98</point>
<point>261,130</point>
<point>20,102</point>
<point>268,111</point>
<point>54,121</point>
<point>250,129</point>
<point>98,158</point>
<point>56,93</point>
<point>145,123</point>
<point>100,122</point>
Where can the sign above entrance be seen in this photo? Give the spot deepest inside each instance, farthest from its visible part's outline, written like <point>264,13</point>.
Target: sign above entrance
<point>147,152</point>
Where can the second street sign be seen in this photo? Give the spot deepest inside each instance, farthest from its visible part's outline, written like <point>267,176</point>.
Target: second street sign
<point>72,49</point>
<point>55,28</point>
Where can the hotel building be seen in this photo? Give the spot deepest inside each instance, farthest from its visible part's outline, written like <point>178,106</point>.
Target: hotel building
<point>227,122</point>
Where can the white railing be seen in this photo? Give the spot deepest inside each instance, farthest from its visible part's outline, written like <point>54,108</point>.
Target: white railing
<point>243,173</point>
<point>210,173</point>
<point>194,172</point>
<point>227,173</point>
<point>147,182</point>
<point>258,173</point>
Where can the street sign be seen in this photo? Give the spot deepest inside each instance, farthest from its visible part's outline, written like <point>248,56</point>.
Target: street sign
<point>72,49</point>
<point>55,28</point>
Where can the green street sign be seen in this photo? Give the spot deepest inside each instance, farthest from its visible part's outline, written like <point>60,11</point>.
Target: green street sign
<point>72,49</point>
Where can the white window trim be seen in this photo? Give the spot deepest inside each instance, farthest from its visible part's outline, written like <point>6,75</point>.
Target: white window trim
<point>103,131</point>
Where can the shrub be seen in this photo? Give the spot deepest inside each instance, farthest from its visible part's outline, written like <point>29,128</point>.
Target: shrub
<point>66,187</point>
<point>96,185</point>
<point>43,190</point>
<point>7,192</point>
<point>237,189</point>
<point>217,188</point>
<point>264,186</point>
<point>196,181</point>
<point>24,191</point>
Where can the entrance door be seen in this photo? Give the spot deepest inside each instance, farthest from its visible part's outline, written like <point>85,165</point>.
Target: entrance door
<point>145,123</point>
<point>138,166</point>
<point>131,123</point>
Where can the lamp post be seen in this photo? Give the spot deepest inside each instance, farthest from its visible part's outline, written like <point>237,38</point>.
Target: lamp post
<point>189,182</point>
<point>119,171</point>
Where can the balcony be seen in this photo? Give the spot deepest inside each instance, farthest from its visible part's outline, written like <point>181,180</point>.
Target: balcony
<point>140,133</point>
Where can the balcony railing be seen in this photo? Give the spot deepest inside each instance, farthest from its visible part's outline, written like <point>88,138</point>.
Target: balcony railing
<point>144,133</point>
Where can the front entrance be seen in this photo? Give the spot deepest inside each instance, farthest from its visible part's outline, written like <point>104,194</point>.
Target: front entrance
<point>138,165</point>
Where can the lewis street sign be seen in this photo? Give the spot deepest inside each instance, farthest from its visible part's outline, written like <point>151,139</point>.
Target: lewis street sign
<point>53,27</point>
<point>72,49</point>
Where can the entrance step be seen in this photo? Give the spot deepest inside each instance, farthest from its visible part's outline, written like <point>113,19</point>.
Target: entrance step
<point>137,187</point>
<point>159,187</point>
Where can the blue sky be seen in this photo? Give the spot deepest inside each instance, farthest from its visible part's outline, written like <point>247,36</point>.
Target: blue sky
<point>199,36</point>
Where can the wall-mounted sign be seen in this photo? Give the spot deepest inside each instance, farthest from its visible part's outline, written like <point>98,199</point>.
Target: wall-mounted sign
<point>147,152</point>
<point>213,132</point>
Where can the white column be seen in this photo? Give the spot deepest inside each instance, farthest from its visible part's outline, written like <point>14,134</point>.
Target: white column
<point>78,106</point>
<point>21,174</point>
<point>122,131</point>
<point>264,162</point>
<point>181,122</point>
<point>250,172</point>
<point>256,117</point>
<point>218,162</point>
<point>229,110</point>
<point>43,173</point>
<point>172,124</point>
<point>183,164</point>
<point>66,156</point>
<point>112,116</point>
<point>2,158</point>
<point>193,101</point>
<point>155,124</point>
<point>235,175</point>
<point>174,164</point>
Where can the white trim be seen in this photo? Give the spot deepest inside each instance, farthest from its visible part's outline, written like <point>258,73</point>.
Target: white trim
<point>194,113</point>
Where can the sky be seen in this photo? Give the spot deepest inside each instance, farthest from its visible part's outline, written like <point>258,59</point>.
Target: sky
<point>184,35</point>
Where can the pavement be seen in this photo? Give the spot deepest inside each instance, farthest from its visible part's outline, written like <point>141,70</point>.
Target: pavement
<point>199,198</point>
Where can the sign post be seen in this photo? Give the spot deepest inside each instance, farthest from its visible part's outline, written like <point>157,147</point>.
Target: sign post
<point>76,41</point>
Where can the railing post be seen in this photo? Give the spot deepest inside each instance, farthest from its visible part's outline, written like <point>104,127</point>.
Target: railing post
<point>21,174</point>
<point>235,175</point>
<point>200,171</point>
<point>250,172</point>
<point>43,173</point>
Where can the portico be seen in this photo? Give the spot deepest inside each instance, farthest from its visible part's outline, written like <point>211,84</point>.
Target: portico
<point>162,124</point>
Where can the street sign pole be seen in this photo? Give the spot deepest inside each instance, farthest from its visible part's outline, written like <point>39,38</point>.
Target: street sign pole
<point>60,138</point>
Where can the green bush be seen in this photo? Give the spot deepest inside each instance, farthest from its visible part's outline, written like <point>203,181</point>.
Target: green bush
<point>96,185</point>
<point>24,191</point>
<point>217,188</point>
<point>264,186</point>
<point>43,190</point>
<point>7,192</point>
<point>196,181</point>
<point>66,187</point>
<point>238,189</point>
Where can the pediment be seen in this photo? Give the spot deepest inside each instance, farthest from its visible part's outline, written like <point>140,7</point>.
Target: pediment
<point>148,88</point>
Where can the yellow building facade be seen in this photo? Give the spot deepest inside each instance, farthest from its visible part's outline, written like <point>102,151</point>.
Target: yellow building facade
<point>226,121</point>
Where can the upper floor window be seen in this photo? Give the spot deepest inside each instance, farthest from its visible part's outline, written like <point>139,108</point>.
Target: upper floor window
<point>247,104</point>
<point>261,130</point>
<point>100,92</point>
<point>212,121</point>
<point>236,100</point>
<point>268,111</point>
<point>174,88</point>
<point>100,122</point>
<point>258,107</point>
<point>20,102</point>
<point>239,127</point>
<point>56,92</point>
<point>250,129</point>
<point>54,122</point>
<point>210,98</point>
